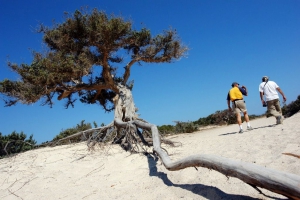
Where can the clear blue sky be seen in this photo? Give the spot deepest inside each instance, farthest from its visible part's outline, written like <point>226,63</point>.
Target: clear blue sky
<point>229,40</point>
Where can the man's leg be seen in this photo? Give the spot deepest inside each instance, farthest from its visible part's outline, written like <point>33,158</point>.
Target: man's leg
<point>238,118</point>
<point>246,116</point>
<point>275,110</point>
<point>279,120</point>
<point>239,121</point>
<point>272,109</point>
<point>277,106</point>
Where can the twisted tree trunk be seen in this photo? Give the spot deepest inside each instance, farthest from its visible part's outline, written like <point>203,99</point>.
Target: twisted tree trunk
<point>124,104</point>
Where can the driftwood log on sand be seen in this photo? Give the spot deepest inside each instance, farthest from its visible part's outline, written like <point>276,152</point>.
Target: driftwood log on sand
<point>276,181</point>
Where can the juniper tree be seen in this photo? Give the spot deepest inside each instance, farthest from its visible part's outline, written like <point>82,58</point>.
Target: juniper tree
<point>83,58</point>
<point>84,61</point>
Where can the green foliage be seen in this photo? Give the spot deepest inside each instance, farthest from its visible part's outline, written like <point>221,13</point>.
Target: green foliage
<point>95,124</point>
<point>82,58</point>
<point>166,129</point>
<point>185,127</point>
<point>15,143</point>
<point>180,127</point>
<point>82,126</point>
<point>217,118</point>
<point>292,108</point>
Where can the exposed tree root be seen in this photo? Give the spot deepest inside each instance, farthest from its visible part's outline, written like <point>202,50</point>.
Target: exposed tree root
<point>128,136</point>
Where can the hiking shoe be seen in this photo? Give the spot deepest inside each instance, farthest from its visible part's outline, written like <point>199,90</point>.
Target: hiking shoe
<point>249,128</point>
<point>241,131</point>
<point>278,120</point>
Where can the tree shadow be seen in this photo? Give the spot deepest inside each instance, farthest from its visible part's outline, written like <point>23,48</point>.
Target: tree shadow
<point>205,191</point>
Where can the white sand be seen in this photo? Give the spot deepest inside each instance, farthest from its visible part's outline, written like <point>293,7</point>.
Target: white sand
<point>73,172</point>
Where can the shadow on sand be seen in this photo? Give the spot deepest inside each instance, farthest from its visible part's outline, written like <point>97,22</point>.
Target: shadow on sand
<point>205,191</point>
<point>225,134</point>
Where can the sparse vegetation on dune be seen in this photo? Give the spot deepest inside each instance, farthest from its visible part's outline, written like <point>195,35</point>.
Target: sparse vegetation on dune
<point>292,108</point>
<point>17,142</point>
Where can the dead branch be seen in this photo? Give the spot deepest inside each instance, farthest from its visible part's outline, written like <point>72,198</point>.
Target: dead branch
<point>103,128</point>
<point>79,158</point>
<point>291,154</point>
<point>93,171</point>
<point>14,194</point>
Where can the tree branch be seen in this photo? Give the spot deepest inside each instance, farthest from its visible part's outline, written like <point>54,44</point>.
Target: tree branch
<point>127,71</point>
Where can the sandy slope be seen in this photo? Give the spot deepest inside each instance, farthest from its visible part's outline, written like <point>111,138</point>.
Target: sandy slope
<point>73,172</point>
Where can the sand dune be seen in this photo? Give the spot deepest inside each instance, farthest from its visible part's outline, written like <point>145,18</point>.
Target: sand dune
<point>73,172</point>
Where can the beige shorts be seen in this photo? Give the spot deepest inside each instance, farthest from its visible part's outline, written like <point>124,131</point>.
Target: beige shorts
<point>239,106</point>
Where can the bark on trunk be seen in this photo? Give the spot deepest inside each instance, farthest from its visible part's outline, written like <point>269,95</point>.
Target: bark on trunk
<point>124,105</point>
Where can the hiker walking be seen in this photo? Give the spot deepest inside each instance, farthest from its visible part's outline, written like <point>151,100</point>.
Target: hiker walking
<point>269,89</point>
<point>235,95</point>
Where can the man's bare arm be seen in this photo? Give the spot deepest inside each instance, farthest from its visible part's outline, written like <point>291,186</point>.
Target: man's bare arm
<point>280,91</point>
<point>262,97</point>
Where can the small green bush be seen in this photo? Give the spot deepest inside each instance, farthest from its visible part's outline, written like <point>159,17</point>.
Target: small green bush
<point>82,126</point>
<point>15,143</point>
<point>292,108</point>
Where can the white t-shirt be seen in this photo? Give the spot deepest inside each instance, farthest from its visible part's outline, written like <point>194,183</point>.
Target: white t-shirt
<point>269,90</point>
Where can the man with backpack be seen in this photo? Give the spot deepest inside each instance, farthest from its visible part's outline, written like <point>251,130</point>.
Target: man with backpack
<point>269,89</point>
<point>235,95</point>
